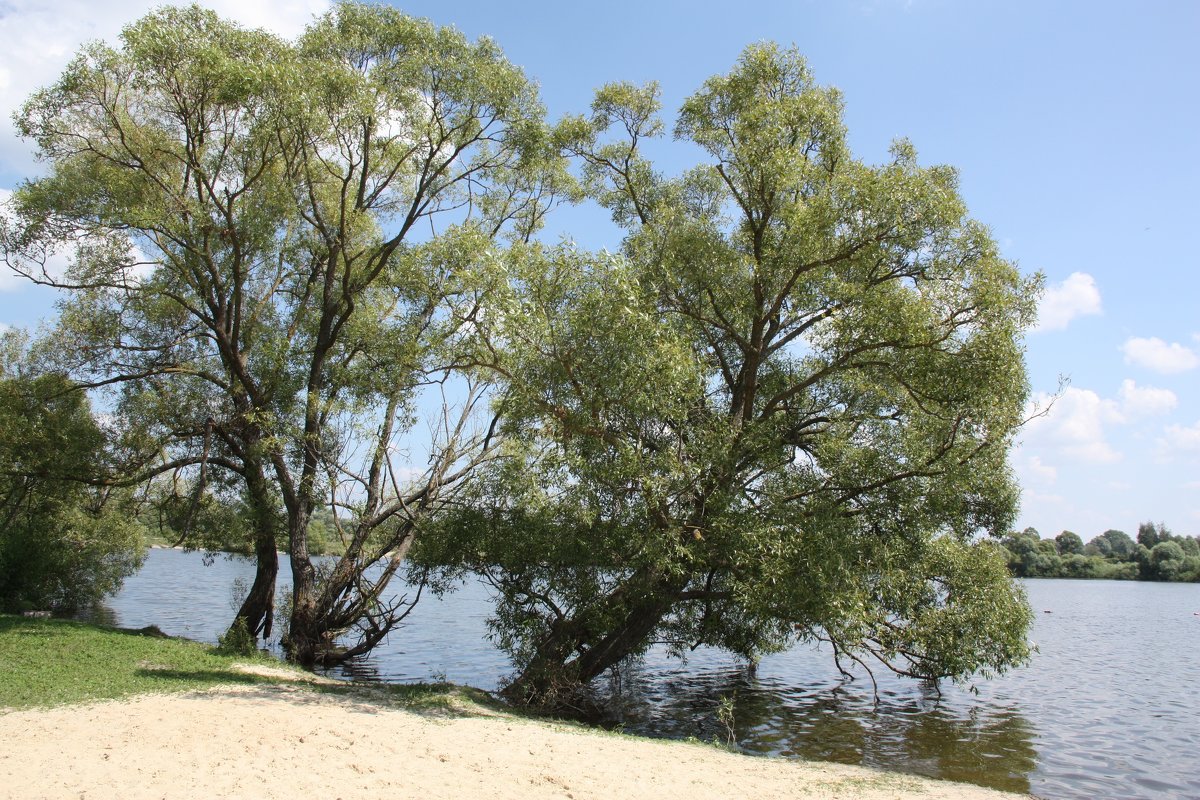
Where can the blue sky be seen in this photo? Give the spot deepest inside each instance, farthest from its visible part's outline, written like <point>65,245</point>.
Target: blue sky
<point>1074,126</point>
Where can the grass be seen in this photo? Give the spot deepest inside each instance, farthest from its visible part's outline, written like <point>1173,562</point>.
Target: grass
<point>48,662</point>
<point>51,662</point>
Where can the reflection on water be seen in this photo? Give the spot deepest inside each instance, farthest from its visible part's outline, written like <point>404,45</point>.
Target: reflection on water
<point>842,722</point>
<point>1105,710</point>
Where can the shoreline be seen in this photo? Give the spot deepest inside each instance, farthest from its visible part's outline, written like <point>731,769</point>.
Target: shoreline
<point>283,740</point>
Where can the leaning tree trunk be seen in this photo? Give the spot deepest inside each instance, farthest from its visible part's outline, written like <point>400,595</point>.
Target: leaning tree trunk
<point>571,656</point>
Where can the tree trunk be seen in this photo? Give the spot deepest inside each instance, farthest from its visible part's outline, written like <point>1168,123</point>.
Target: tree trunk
<point>308,641</point>
<point>571,656</point>
<point>343,598</point>
<point>258,609</point>
<point>259,606</point>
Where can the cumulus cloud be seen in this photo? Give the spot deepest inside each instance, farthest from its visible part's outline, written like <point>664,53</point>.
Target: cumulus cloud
<point>1180,440</point>
<point>1137,401</point>
<point>1041,471</point>
<point>41,36</point>
<point>1074,426</point>
<point>1077,296</point>
<point>1155,354</point>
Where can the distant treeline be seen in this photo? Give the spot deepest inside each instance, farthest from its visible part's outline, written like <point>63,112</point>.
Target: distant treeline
<point>1155,555</point>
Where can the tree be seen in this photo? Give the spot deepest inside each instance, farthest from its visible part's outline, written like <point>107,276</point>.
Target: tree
<point>275,253</point>
<point>1043,561</point>
<point>1149,534</point>
<point>1022,549</point>
<point>1166,561</point>
<point>1068,543</point>
<point>781,412</point>
<point>1077,565</point>
<point>63,545</point>
<point>1115,544</point>
<point>1098,547</point>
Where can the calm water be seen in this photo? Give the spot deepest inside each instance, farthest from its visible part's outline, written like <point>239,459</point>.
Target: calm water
<point>1107,709</point>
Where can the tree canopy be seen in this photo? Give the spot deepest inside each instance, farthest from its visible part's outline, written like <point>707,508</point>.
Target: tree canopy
<point>273,249</point>
<point>781,411</point>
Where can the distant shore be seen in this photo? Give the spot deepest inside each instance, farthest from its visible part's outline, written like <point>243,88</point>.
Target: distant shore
<point>285,741</point>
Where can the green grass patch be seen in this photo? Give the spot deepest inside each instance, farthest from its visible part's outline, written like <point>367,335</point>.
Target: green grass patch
<point>50,662</point>
<point>47,662</point>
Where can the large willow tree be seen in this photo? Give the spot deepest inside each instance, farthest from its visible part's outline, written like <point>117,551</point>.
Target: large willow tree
<point>273,250</point>
<point>781,412</point>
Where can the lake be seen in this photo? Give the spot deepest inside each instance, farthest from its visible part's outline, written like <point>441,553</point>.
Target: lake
<point>1106,708</point>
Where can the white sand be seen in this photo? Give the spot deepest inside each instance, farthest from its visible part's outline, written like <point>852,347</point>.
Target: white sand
<point>289,742</point>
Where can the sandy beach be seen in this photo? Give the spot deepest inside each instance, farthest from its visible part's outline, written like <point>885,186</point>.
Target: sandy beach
<point>287,742</point>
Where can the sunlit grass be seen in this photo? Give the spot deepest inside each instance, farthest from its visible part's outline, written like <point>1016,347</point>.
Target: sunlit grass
<point>50,662</point>
<point>47,662</point>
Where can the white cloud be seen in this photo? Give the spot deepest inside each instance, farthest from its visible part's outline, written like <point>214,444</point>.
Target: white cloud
<point>1074,426</point>
<point>41,36</point>
<point>1139,401</point>
<point>1180,440</point>
<point>1155,354</point>
<point>1077,296</point>
<point>1041,471</point>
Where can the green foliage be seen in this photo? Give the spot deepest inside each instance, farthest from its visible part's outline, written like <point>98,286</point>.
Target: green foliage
<point>1149,534</point>
<point>237,641</point>
<point>1112,544</point>
<point>1165,561</point>
<point>727,717</point>
<point>63,544</point>
<point>1111,556</point>
<point>1122,546</point>
<point>781,411</point>
<point>1030,556</point>
<point>1068,543</point>
<point>211,518</point>
<point>275,247</point>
